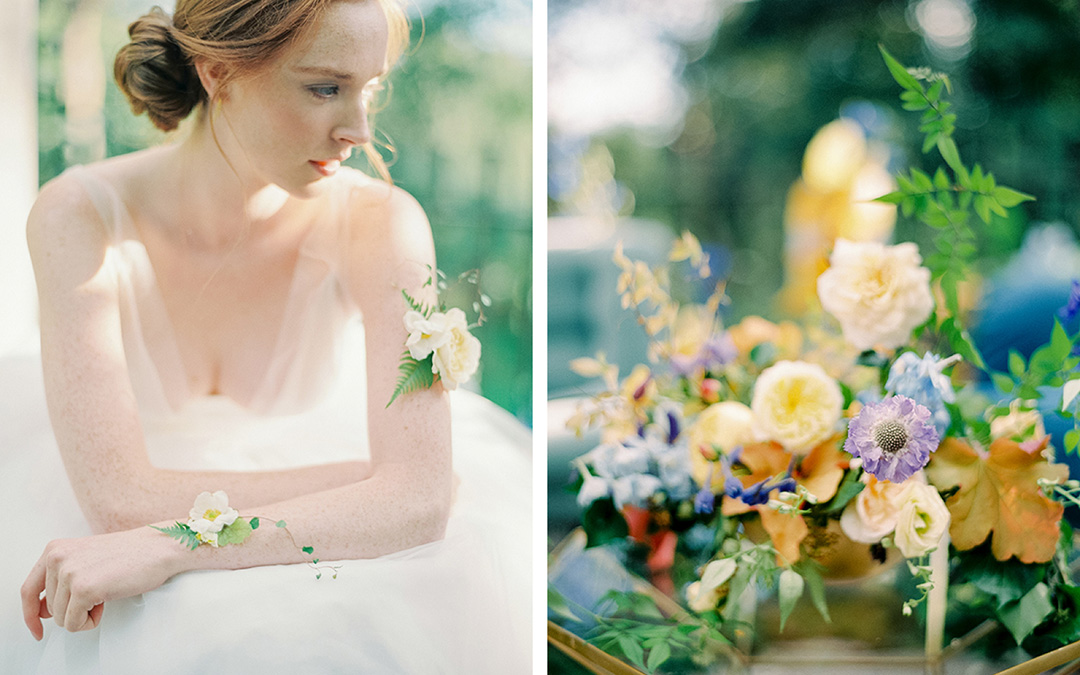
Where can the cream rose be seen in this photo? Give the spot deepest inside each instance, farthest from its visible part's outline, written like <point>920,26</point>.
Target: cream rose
<point>922,520</point>
<point>725,425</point>
<point>873,513</point>
<point>456,359</point>
<point>210,515</point>
<point>878,293</point>
<point>426,334</point>
<point>796,404</point>
<point>1018,423</point>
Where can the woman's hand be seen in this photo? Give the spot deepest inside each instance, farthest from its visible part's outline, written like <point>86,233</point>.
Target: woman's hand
<point>78,576</point>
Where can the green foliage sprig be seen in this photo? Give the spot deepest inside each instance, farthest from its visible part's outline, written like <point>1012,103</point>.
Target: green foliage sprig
<point>946,202</point>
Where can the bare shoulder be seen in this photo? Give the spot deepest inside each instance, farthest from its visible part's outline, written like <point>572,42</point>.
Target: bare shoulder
<point>389,232</point>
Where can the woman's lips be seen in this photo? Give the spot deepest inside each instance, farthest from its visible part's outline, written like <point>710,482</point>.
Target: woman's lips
<point>326,167</point>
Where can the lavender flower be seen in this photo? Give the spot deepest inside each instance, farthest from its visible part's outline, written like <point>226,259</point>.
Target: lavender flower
<point>923,381</point>
<point>717,351</point>
<point>894,438</point>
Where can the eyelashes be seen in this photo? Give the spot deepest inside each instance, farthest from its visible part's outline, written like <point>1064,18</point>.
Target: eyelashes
<point>325,92</point>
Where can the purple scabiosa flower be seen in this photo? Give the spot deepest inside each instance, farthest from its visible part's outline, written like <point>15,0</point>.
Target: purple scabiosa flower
<point>922,380</point>
<point>894,438</point>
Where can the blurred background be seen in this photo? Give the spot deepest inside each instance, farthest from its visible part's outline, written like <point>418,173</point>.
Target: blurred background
<point>459,116</point>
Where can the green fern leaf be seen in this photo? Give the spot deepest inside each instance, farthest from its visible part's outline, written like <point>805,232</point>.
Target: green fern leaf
<point>416,305</point>
<point>415,375</point>
<point>181,532</point>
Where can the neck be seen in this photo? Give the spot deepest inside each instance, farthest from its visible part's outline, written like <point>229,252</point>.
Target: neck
<point>224,199</point>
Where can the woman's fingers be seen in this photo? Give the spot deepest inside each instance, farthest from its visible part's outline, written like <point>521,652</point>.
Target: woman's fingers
<point>81,613</point>
<point>34,608</point>
<point>58,606</point>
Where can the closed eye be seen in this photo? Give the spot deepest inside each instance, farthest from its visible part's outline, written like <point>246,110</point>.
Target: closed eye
<point>324,91</point>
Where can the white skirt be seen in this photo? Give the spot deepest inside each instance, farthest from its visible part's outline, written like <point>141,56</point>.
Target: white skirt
<point>460,605</point>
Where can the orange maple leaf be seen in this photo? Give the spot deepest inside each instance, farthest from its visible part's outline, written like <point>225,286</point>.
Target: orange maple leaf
<point>999,493</point>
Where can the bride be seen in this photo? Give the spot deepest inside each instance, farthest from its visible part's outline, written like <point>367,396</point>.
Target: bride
<point>200,308</point>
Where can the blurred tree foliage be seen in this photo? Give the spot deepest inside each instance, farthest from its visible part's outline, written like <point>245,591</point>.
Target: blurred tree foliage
<point>459,119</point>
<point>775,71</point>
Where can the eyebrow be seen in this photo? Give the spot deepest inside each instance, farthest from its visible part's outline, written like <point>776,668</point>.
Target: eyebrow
<point>331,72</point>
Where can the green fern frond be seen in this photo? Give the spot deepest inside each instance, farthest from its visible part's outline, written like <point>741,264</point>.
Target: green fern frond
<point>416,305</point>
<point>415,375</point>
<point>181,532</point>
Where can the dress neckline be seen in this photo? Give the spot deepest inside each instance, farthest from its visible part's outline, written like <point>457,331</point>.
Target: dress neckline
<point>128,236</point>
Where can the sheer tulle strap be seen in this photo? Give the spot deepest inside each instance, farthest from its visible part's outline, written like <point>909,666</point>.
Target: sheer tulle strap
<point>103,196</point>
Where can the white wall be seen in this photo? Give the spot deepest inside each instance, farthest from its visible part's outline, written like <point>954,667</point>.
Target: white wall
<point>18,172</point>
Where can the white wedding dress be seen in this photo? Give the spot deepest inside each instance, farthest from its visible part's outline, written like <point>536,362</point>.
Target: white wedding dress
<point>460,605</point>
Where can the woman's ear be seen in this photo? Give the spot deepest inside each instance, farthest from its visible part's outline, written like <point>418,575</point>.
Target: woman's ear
<point>212,75</point>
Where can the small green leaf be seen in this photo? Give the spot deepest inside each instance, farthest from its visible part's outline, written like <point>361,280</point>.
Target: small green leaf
<point>947,148</point>
<point>307,549</point>
<point>255,523</point>
<point>899,73</point>
<point>891,198</point>
<point>557,605</point>
<point>657,656</point>
<point>633,650</point>
<point>280,523</point>
<point>1072,439</point>
<point>235,533</point>
<point>415,375</point>
<point>1016,364</point>
<point>1024,615</point>
<point>1003,382</point>
<point>1009,198</point>
<point>1060,343</point>
<point>791,589</point>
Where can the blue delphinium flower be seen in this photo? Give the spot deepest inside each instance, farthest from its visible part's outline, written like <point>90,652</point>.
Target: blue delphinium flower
<point>1069,311</point>
<point>922,380</point>
<point>894,438</point>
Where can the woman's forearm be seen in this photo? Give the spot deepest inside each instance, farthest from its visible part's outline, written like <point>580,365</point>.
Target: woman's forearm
<point>392,511</point>
<point>167,495</point>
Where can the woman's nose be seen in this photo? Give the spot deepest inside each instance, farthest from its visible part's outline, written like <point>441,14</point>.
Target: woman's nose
<point>354,127</point>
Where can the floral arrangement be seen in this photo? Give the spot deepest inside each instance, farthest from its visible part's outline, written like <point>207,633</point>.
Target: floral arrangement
<point>439,343</point>
<point>212,521</point>
<point>745,456</point>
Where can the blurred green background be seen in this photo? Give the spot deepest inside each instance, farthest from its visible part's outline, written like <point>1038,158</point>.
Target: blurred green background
<point>702,112</point>
<point>459,115</point>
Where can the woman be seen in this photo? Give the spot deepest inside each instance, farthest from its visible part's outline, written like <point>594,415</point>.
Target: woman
<point>197,302</point>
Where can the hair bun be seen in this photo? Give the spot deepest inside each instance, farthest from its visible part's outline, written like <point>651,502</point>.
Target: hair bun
<point>155,74</point>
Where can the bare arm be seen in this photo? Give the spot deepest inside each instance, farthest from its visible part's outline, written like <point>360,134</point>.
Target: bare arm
<point>404,503</point>
<point>91,402</point>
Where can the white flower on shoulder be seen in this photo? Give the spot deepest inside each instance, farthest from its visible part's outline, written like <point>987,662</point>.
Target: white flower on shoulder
<point>211,514</point>
<point>425,334</point>
<point>878,293</point>
<point>922,520</point>
<point>796,404</point>
<point>457,357</point>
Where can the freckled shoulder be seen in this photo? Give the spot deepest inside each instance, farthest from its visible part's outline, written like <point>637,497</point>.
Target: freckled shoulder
<point>388,233</point>
<point>65,233</point>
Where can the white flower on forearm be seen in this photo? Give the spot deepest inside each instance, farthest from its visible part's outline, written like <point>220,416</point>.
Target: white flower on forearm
<point>922,520</point>
<point>796,404</point>
<point>211,514</point>
<point>457,357</point>
<point>425,334</point>
<point>878,293</point>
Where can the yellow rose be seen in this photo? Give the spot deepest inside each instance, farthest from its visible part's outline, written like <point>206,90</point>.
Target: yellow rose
<point>727,424</point>
<point>796,404</point>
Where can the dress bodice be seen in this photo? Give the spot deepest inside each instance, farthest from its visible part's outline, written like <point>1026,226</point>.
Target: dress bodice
<point>319,343</point>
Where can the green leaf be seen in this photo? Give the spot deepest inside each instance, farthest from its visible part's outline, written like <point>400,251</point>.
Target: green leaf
<point>255,523</point>
<point>416,305</point>
<point>657,656</point>
<point>557,604</point>
<point>947,148</point>
<point>235,533</point>
<point>982,208</point>
<point>1009,198</point>
<point>891,198</point>
<point>1060,343</point>
<point>280,523</point>
<point>181,532</point>
<point>308,549</point>
<point>899,73</point>
<point>1072,439</point>
<point>812,576</point>
<point>1016,364</point>
<point>791,589</point>
<point>1022,617</point>
<point>632,650</point>
<point>848,490</point>
<point>1003,382</point>
<point>415,375</point>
